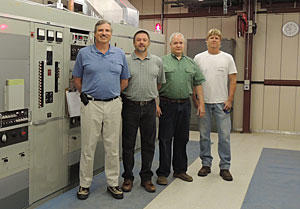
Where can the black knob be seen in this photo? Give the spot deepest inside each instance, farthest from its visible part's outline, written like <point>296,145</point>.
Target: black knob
<point>74,137</point>
<point>22,154</point>
<point>5,159</point>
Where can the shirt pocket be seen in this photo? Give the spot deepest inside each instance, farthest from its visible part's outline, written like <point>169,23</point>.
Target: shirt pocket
<point>169,72</point>
<point>221,71</point>
<point>116,67</point>
<point>189,72</point>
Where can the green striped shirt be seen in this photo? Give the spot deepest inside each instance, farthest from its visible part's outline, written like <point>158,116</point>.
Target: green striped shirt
<point>145,75</point>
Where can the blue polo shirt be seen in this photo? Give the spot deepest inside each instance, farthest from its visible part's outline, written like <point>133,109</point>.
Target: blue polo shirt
<point>101,73</point>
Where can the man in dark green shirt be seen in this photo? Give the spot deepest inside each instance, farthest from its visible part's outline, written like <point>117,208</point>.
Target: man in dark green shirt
<point>182,76</point>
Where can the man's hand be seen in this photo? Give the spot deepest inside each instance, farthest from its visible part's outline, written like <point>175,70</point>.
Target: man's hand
<point>201,110</point>
<point>198,100</point>
<point>227,105</point>
<point>158,111</point>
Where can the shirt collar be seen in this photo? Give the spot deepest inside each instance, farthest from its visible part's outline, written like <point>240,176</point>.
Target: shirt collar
<point>109,51</point>
<point>174,56</point>
<point>133,55</point>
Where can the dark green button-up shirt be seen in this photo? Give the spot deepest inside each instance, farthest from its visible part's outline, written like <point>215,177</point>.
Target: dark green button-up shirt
<point>181,76</point>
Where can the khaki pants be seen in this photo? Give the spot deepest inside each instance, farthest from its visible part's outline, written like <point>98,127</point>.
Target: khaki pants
<point>100,120</point>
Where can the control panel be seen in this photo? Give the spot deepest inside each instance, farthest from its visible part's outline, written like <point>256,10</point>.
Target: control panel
<point>79,40</point>
<point>48,55</point>
<point>74,51</point>
<point>13,136</point>
<point>12,118</point>
<point>41,84</point>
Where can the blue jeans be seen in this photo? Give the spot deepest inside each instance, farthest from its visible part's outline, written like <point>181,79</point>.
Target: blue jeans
<point>173,127</point>
<point>223,127</point>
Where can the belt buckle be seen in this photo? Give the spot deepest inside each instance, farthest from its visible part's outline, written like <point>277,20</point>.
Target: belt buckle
<point>142,103</point>
<point>91,98</point>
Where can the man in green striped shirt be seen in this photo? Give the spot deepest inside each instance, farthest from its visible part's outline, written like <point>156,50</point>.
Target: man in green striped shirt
<point>182,76</point>
<point>139,110</point>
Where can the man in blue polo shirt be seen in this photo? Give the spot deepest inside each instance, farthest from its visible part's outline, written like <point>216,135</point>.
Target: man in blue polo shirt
<point>100,74</point>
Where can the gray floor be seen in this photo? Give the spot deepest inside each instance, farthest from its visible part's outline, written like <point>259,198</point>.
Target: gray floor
<point>210,192</point>
<point>276,181</point>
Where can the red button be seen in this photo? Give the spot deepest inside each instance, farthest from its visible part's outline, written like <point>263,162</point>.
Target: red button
<point>49,72</point>
<point>23,133</point>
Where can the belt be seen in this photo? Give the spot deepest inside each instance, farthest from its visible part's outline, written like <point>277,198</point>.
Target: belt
<point>102,100</point>
<point>174,100</point>
<point>140,103</point>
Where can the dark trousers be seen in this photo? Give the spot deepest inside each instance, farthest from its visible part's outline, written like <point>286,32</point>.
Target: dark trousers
<point>135,116</point>
<point>173,126</point>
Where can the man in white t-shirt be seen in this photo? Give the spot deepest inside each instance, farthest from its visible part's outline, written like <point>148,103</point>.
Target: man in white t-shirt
<point>218,67</point>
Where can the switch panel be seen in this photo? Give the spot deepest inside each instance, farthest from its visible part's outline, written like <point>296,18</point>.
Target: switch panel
<point>12,118</point>
<point>13,136</point>
<point>74,51</point>
<point>49,97</point>
<point>41,84</point>
<point>57,74</point>
<point>49,56</point>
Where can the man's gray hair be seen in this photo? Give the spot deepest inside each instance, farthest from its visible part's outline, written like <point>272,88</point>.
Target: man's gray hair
<point>175,34</point>
<point>101,22</point>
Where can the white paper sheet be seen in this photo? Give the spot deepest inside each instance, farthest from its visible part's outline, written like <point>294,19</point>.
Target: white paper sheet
<point>73,100</point>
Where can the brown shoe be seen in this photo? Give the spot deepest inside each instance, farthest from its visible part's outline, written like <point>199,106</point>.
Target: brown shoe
<point>127,185</point>
<point>226,175</point>
<point>183,176</point>
<point>162,180</point>
<point>204,171</point>
<point>149,187</point>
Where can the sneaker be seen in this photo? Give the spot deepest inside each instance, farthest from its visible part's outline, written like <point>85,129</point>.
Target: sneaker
<point>83,193</point>
<point>127,185</point>
<point>183,176</point>
<point>162,180</point>
<point>204,171</point>
<point>149,187</point>
<point>116,192</point>
<point>225,174</point>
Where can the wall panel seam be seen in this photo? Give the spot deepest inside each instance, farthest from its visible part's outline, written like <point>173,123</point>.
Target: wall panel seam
<point>298,53</point>
<point>280,88</point>
<point>295,109</point>
<point>281,52</point>
<point>265,62</point>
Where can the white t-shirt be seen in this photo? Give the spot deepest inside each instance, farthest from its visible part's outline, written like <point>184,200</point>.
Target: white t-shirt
<point>215,68</point>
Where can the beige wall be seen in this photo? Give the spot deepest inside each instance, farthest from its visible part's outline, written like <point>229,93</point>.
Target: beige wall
<point>276,57</point>
<point>273,108</point>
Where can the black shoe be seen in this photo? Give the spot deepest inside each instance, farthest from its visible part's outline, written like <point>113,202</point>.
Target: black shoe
<point>83,193</point>
<point>225,174</point>
<point>116,192</point>
<point>204,171</point>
